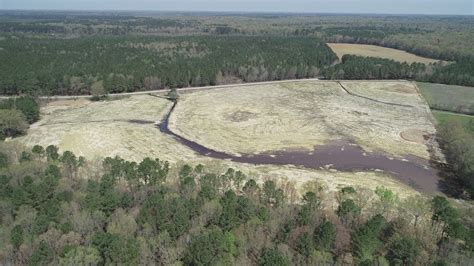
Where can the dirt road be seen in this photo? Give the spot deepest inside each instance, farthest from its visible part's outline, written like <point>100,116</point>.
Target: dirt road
<point>162,91</point>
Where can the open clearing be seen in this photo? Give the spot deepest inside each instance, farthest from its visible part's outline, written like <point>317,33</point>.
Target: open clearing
<point>466,120</point>
<point>377,51</point>
<point>122,127</point>
<point>448,97</point>
<point>250,120</point>
<point>299,116</point>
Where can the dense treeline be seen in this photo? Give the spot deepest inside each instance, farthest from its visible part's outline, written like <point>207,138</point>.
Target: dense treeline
<point>124,64</point>
<point>458,145</point>
<point>16,114</point>
<point>459,73</point>
<point>440,37</point>
<point>109,26</point>
<point>59,209</point>
<point>358,67</point>
<point>72,66</point>
<point>60,24</point>
<point>68,52</point>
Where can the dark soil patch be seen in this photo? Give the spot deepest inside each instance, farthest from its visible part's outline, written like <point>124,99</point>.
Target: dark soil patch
<point>141,122</point>
<point>241,116</point>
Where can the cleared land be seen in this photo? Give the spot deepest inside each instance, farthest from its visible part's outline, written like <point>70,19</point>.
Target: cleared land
<point>299,116</point>
<point>98,129</point>
<point>248,119</point>
<point>377,51</point>
<point>448,97</point>
<point>466,120</point>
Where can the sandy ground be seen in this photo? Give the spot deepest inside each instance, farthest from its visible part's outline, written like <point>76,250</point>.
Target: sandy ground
<point>243,119</point>
<point>299,116</point>
<point>377,51</point>
<point>100,129</point>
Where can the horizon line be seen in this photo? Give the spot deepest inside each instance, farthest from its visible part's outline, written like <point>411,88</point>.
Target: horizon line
<point>233,12</point>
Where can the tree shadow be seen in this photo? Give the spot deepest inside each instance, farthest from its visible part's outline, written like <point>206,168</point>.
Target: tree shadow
<point>449,182</point>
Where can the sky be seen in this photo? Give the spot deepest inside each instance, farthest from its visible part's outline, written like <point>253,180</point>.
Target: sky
<point>447,7</point>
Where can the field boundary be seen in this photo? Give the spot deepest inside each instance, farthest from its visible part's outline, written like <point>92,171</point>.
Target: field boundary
<point>379,51</point>
<point>374,100</point>
<point>192,89</point>
<point>452,113</point>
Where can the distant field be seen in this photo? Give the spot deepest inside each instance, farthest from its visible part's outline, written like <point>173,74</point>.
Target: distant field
<point>466,120</point>
<point>377,51</point>
<point>448,97</point>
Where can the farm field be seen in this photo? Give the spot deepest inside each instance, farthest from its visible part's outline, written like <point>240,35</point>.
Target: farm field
<point>466,120</point>
<point>377,51</point>
<point>297,116</point>
<point>448,97</point>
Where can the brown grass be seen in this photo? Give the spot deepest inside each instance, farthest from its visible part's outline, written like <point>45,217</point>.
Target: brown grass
<point>100,129</point>
<point>377,51</point>
<point>245,119</point>
<point>302,115</point>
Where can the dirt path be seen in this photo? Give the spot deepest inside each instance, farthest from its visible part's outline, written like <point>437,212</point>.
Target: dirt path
<point>370,99</point>
<point>188,89</point>
<point>163,91</point>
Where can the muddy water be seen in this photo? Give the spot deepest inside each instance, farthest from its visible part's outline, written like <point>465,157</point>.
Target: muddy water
<point>341,156</point>
<point>140,122</point>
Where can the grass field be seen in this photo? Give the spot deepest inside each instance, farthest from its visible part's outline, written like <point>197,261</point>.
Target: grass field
<point>100,129</point>
<point>253,119</point>
<point>448,97</point>
<point>376,51</point>
<point>266,118</point>
<point>466,120</point>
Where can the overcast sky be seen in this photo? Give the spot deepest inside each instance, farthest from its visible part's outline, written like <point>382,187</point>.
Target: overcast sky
<point>464,7</point>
